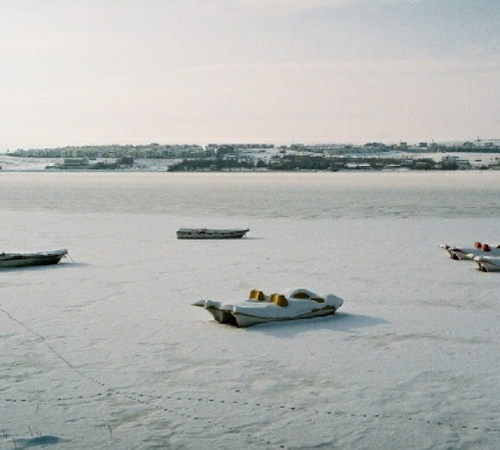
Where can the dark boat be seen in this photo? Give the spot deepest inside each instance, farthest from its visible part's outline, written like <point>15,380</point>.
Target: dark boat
<point>8,260</point>
<point>207,233</point>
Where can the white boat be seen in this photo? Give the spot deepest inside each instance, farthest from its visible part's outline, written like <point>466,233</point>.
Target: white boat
<point>259,308</point>
<point>487,263</point>
<point>8,260</point>
<point>210,233</point>
<point>479,249</point>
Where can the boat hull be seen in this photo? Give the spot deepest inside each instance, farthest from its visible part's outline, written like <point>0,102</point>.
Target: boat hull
<point>488,264</point>
<point>205,233</point>
<point>242,320</point>
<point>12,260</point>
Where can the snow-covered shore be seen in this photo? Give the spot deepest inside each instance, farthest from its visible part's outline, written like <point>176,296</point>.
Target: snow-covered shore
<point>106,351</point>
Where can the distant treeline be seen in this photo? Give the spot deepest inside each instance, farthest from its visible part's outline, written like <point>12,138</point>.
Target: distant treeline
<point>333,164</point>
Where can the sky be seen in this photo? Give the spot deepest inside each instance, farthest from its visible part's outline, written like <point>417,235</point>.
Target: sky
<point>97,72</point>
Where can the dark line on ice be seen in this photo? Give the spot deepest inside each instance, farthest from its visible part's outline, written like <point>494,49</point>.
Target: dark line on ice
<point>51,348</point>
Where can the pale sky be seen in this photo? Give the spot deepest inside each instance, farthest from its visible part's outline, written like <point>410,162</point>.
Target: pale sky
<point>88,72</point>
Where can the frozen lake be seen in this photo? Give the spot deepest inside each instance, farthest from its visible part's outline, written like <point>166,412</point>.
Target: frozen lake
<point>106,351</point>
<point>263,195</point>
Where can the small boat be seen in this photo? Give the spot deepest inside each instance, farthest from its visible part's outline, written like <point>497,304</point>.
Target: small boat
<point>487,263</point>
<point>259,308</point>
<point>468,253</point>
<point>8,260</point>
<point>207,233</point>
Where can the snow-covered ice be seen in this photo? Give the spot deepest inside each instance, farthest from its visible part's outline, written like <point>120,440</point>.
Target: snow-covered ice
<point>105,350</point>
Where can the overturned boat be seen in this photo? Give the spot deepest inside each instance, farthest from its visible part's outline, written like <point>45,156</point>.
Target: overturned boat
<point>8,260</point>
<point>259,308</point>
<point>210,233</point>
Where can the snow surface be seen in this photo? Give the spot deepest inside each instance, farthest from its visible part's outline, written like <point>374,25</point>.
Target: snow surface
<point>106,351</point>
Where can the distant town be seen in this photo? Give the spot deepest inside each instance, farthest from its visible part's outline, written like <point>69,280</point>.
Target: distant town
<point>469,155</point>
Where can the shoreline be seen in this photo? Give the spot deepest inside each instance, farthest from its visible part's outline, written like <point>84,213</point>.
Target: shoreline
<point>261,162</point>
